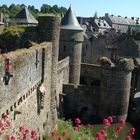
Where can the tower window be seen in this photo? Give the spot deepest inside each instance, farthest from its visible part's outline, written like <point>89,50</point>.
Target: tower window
<point>64,48</point>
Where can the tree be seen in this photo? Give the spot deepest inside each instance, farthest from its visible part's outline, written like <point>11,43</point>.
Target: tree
<point>62,10</point>
<point>56,9</point>
<point>45,8</point>
<point>14,9</point>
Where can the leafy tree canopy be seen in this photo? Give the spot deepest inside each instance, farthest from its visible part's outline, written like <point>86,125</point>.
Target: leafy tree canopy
<point>13,9</point>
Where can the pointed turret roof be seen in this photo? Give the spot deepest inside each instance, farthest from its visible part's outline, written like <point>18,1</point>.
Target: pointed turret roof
<point>25,17</point>
<point>70,21</point>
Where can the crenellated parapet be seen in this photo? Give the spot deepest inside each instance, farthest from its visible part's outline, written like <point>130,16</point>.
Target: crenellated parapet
<point>123,64</point>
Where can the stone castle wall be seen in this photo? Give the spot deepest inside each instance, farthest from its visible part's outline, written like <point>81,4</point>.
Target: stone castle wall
<point>26,97</point>
<point>115,85</point>
<point>90,73</point>
<point>79,97</point>
<point>93,50</point>
<point>63,77</point>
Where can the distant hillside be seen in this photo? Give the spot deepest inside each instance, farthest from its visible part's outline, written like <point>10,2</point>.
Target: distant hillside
<point>13,9</point>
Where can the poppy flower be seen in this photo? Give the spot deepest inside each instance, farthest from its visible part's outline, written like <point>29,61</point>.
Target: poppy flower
<point>132,131</point>
<point>122,121</point>
<point>106,122</point>
<point>110,119</point>
<point>77,121</point>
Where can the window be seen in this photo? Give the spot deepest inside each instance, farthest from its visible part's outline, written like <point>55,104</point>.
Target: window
<point>64,48</point>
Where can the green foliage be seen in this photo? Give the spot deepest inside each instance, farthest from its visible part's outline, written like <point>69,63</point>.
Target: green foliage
<point>13,9</point>
<point>49,14</point>
<point>88,133</point>
<point>45,8</point>
<point>14,30</point>
<point>80,134</point>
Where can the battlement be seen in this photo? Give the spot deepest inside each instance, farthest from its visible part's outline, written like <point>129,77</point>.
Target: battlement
<point>123,64</point>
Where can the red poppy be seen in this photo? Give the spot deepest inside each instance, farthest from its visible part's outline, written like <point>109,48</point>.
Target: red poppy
<point>132,131</point>
<point>27,131</point>
<point>99,136</point>
<point>12,137</point>
<point>77,121</point>
<point>118,129</point>
<point>1,124</point>
<point>75,128</point>
<point>8,123</point>
<point>21,129</point>
<point>60,138</point>
<point>88,125</point>
<point>64,133</point>
<point>122,121</point>
<point>128,138</point>
<point>110,119</point>
<point>103,133</point>
<point>5,116</point>
<point>106,122</point>
<point>33,134</point>
<point>53,133</point>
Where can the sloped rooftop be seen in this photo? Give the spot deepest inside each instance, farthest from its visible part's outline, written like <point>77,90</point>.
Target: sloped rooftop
<point>121,20</point>
<point>25,17</point>
<point>102,23</point>
<point>70,21</point>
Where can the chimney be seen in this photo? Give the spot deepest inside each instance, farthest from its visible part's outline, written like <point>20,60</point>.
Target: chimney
<point>80,20</point>
<point>106,14</point>
<point>125,17</point>
<point>132,18</point>
<point>137,21</point>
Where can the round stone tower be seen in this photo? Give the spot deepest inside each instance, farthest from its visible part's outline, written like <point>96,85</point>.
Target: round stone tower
<point>71,38</point>
<point>49,29</point>
<point>115,88</point>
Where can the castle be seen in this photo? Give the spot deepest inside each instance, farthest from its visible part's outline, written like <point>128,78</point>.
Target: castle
<point>49,80</point>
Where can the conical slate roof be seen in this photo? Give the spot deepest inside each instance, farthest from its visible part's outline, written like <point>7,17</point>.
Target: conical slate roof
<point>70,21</point>
<point>25,17</point>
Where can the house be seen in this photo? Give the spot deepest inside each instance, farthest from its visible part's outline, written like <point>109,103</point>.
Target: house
<point>94,25</point>
<point>24,17</point>
<point>122,23</point>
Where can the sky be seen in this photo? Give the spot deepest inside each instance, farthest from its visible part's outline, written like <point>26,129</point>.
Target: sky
<point>87,8</point>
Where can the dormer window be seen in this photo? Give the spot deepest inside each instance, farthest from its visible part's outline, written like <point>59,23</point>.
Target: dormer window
<point>99,24</point>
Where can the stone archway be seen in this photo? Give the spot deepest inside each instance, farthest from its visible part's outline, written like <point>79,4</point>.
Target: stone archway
<point>85,114</point>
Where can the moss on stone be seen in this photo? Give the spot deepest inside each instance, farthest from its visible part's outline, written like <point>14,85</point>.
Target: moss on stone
<point>125,64</point>
<point>105,62</point>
